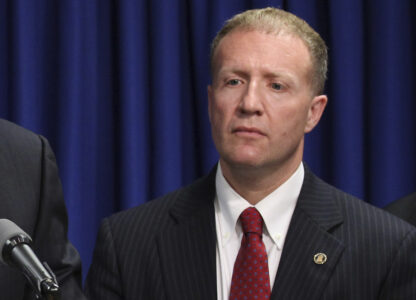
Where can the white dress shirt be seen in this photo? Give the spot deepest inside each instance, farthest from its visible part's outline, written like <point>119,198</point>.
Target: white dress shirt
<point>276,210</point>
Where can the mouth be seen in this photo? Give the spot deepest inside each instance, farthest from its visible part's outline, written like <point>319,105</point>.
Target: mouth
<point>248,131</point>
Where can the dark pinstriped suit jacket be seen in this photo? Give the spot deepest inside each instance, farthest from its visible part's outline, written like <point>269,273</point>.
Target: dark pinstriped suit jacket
<point>165,249</point>
<point>31,196</point>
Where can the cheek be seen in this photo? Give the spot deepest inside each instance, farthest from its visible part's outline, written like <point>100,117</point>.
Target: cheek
<point>220,111</point>
<point>217,119</point>
<point>288,120</point>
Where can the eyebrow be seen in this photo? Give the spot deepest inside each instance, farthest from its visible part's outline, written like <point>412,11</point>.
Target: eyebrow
<point>267,74</point>
<point>233,71</point>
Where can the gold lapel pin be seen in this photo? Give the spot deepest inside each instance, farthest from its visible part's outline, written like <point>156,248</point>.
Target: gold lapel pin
<point>320,258</point>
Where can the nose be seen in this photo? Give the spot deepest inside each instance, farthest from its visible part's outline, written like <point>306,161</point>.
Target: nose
<point>251,100</point>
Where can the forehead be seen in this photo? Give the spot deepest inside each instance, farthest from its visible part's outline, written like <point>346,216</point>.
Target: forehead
<point>255,49</point>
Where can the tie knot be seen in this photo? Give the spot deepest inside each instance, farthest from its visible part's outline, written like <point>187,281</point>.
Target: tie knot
<point>251,221</point>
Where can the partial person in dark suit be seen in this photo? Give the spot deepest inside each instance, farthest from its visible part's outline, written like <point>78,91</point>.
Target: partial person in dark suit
<point>404,208</point>
<point>31,196</point>
<point>304,238</point>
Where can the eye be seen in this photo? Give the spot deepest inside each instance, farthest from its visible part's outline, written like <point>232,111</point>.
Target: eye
<point>276,86</point>
<point>234,82</point>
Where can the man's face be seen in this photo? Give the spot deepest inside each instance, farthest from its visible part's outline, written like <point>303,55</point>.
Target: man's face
<point>261,102</point>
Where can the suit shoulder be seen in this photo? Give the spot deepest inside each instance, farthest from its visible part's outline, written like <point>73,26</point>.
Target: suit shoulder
<point>17,137</point>
<point>404,208</point>
<point>155,211</point>
<point>10,129</point>
<point>187,195</point>
<point>371,221</point>
<point>361,217</point>
<point>151,211</point>
<point>161,213</point>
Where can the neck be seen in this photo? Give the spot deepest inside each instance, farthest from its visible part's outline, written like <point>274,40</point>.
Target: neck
<point>254,183</point>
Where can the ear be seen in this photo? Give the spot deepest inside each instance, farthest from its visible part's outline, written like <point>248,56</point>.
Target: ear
<point>316,109</point>
<point>209,91</point>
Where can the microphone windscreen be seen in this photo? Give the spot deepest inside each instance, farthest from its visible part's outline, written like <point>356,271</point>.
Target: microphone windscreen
<point>8,230</point>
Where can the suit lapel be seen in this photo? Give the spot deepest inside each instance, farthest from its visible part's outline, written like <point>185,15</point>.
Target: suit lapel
<point>187,248</point>
<point>298,275</point>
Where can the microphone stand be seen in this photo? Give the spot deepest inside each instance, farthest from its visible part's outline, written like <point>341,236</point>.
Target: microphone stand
<point>49,288</point>
<point>39,275</point>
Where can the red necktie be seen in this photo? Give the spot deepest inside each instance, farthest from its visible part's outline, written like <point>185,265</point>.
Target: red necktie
<point>251,271</point>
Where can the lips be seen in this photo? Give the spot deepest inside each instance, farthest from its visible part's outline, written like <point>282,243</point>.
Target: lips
<point>250,131</point>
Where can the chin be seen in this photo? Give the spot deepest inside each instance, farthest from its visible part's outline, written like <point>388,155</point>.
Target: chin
<point>240,156</point>
<point>245,161</point>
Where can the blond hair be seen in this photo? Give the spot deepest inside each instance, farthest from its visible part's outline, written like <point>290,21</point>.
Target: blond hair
<point>274,21</point>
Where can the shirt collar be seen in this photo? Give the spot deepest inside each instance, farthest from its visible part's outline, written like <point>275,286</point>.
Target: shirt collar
<point>276,209</point>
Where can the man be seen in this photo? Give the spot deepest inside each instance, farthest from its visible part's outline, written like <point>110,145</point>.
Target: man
<point>31,196</point>
<point>260,225</point>
<point>404,208</point>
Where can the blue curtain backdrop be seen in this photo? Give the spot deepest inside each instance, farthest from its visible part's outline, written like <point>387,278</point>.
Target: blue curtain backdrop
<point>119,89</point>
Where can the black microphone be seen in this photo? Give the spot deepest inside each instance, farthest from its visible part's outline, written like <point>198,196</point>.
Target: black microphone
<point>16,252</point>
